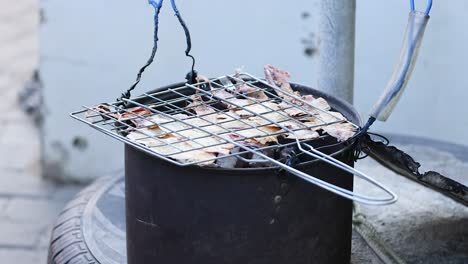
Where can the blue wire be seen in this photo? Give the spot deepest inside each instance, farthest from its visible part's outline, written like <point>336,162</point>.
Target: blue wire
<point>174,6</point>
<point>155,3</point>
<point>428,8</point>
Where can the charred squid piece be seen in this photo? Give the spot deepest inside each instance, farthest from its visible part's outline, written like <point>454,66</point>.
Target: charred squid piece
<point>204,81</point>
<point>228,99</point>
<point>104,111</point>
<point>125,118</point>
<point>280,79</point>
<point>206,96</point>
<point>246,91</point>
<point>403,164</point>
<point>198,106</point>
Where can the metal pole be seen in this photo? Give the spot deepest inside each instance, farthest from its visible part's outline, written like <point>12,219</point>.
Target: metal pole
<point>336,32</point>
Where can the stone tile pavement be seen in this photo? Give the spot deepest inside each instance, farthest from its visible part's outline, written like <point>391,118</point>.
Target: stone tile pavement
<point>423,226</point>
<point>28,204</point>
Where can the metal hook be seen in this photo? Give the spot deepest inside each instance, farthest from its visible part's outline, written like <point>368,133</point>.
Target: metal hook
<point>428,8</point>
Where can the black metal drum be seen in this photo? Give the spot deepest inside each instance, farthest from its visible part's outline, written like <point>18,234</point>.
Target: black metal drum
<point>195,215</point>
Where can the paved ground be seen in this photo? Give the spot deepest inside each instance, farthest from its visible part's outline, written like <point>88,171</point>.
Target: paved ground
<point>423,226</point>
<point>28,205</point>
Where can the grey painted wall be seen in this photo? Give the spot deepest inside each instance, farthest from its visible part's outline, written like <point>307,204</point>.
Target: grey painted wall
<point>91,50</point>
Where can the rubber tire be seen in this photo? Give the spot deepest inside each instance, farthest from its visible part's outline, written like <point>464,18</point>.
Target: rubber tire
<point>67,245</point>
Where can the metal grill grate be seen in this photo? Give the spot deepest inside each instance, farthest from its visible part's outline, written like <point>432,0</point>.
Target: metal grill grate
<point>174,109</point>
<point>182,124</point>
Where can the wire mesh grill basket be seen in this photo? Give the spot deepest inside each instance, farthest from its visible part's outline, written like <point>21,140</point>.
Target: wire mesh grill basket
<point>199,124</point>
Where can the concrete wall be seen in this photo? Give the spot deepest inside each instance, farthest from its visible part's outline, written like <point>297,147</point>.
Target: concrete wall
<point>19,58</point>
<point>91,51</point>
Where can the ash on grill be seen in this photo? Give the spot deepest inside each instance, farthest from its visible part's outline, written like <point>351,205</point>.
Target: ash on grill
<point>222,119</point>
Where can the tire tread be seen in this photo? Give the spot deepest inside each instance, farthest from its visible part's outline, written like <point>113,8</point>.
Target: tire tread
<point>67,245</point>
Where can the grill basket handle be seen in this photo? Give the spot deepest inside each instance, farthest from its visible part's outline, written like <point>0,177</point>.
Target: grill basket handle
<point>360,198</point>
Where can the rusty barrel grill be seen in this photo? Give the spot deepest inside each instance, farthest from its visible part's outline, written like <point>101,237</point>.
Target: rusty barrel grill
<point>181,212</point>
